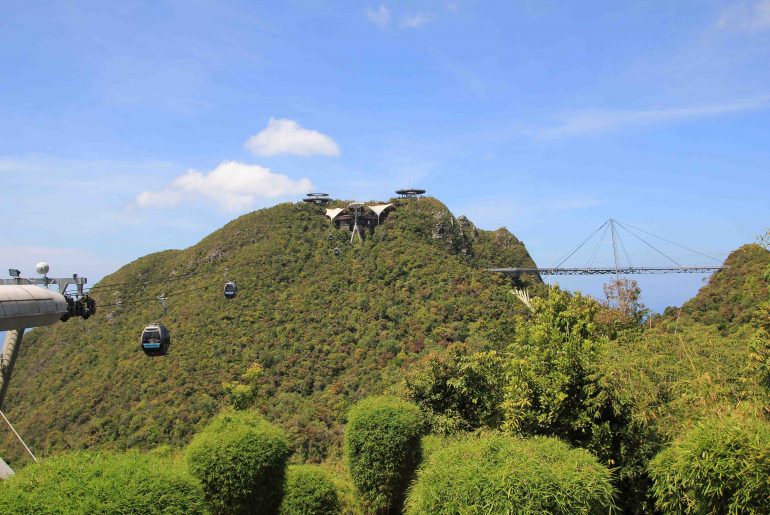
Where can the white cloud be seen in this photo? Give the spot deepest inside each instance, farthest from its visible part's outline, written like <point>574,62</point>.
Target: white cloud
<point>753,16</point>
<point>581,123</point>
<point>415,21</point>
<point>283,136</point>
<point>379,16</point>
<point>232,185</point>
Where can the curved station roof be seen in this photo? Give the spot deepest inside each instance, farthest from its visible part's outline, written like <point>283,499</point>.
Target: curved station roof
<point>336,212</point>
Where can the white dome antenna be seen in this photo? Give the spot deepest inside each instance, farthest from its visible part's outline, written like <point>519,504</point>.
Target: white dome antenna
<point>42,268</point>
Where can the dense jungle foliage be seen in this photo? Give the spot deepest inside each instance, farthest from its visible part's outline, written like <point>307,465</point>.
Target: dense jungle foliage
<point>720,466</point>
<point>594,406</point>
<point>493,474</point>
<point>325,330</point>
<point>309,489</point>
<point>733,294</point>
<point>609,378</point>
<point>240,459</point>
<point>103,484</point>
<point>382,450</point>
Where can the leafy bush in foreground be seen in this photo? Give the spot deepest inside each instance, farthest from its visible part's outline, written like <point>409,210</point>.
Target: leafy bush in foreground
<point>551,376</point>
<point>100,484</point>
<point>459,390</point>
<point>720,466</point>
<point>241,460</point>
<point>309,490</point>
<point>382,449</point>
<point>502,474</point>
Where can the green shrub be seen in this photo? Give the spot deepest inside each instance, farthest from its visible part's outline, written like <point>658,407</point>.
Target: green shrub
<point>562,381</point>
<point>502,474</point>
<point>382,449</point>
<point>551,373</point>
<point>720,466</point>
<point>459,390</point>
<point>241,460</point>
<point>100,483</point>
<point>309,490</point>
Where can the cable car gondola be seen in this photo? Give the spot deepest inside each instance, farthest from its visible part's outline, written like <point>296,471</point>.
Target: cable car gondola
<point>230,290</point>
<point>156,340</point>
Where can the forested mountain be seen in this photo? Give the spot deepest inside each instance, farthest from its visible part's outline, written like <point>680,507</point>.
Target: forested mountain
<point>733,295</point>
<point>486,402</point>
<point>326,329</point>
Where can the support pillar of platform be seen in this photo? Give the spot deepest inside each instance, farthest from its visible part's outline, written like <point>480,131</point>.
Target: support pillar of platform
<point>10,352</point>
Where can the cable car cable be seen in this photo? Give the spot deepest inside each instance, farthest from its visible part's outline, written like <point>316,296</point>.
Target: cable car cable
<point>147,299</point>
<point>168,279</point>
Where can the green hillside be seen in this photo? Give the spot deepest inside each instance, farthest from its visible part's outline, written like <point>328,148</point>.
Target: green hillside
<point>327,329</point>
<point>732,295</point>
<point>450,392</point>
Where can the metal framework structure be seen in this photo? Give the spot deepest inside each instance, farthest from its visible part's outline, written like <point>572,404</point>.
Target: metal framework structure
<point>612,227</point>
<point>319,199</point>
<point>61,282</point>
<point>410,192</point>
<point>607,271</point>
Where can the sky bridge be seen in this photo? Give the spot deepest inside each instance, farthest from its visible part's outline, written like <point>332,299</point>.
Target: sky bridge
<point>611,229</point>
<point>606,271</point>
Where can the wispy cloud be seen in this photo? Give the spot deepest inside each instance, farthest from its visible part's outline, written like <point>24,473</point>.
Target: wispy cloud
<point>233,186</point>
<point>380,16</point>
<point>587,122</point>
<point>282,136</point>
<point>415,21</point>
<point>752,16</point>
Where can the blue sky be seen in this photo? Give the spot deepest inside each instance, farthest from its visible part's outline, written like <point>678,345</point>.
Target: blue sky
<point>128,128</point>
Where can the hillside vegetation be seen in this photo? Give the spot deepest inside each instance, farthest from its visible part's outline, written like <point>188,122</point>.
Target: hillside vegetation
<point>733,295</point>
<point>326,330</point>
<point>454,396</point>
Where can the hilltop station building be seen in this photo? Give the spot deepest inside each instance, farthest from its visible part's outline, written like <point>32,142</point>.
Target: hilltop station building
<point>357,217</point>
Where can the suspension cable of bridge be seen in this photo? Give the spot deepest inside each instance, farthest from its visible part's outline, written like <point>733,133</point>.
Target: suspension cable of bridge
<point>613,228</point>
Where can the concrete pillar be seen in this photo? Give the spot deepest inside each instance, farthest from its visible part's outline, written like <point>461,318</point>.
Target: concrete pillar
<point>10,352</point>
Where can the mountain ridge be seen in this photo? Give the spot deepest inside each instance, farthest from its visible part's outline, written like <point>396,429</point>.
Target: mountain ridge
<point>327,329</point>
<point>732,295</point>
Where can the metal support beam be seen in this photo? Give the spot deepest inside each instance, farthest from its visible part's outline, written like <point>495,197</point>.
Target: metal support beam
<point>61,282</point>
<point>10,352</point>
